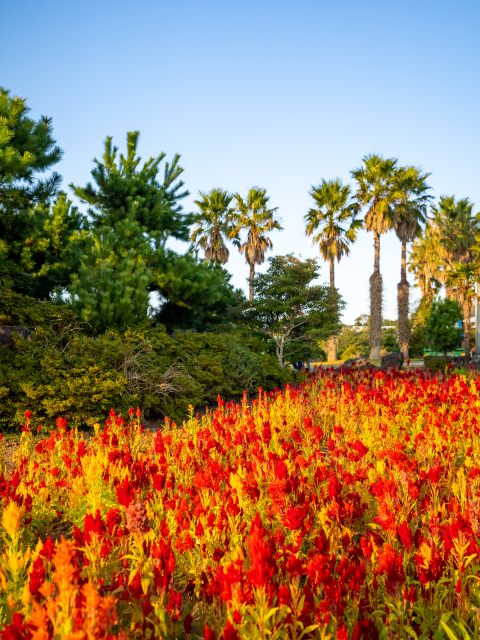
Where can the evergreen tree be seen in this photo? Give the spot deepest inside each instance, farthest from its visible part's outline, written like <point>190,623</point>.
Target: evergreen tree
<point>27,149</point>
<point>121,183</point>
<point>111,287</point>
<point>51,252</point>
<point>197,294</point>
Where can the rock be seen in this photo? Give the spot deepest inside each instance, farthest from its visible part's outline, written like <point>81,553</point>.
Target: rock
<point>361,363</point>
<point>391,360</point>
<point>6,335</point>
<point>357,362</point>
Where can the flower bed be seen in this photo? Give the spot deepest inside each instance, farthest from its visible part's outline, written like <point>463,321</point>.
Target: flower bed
<point>346,508</point>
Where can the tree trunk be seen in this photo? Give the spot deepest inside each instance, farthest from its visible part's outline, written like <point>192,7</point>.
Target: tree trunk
<point>466,310</point>
<point>332,343</point>
<point>376,294</point>
<point>252,277</point>
<point>376,244</point>
<point>332,348</point>
<point>403,289</point>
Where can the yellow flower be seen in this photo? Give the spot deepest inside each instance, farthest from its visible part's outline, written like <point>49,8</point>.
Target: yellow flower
<point>12,518</point>
<point>26,595</point>
<point>380,467</point>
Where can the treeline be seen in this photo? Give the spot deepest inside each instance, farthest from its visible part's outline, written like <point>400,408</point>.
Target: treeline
<point>83,283</point>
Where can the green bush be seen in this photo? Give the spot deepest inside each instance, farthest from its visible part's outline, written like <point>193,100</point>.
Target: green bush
<point>436,363</point>
<point>19,310</point>
<point>62,371</point>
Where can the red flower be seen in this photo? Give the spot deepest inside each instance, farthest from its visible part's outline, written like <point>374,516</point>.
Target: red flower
<point>405,535</point>
<point>390,564</point>
<point>261,567</point>
<point>209,634</point>
<point>125,493</point>
<point>187,624</point>
<point>295,517</point>
<point>17,630</point>
<point>229,632</point>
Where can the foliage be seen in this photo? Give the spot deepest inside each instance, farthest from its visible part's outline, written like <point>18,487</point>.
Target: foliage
<point>389,340</point>
<point>110,289</point>
<point>376,192</point>
<point>213,225</point>
<point>436,363</point>
<point>254,216</point>
<point>352,343</point>
<point>441,330</point>
<point>198,293</point>
<point>292,311</point>
<point>24,311</point>
<point>461,282</point>
<point>121,186</point>
<point>270,519</point>
<point>332,222</point>
<point>60,369</point>
<point>27,149</point>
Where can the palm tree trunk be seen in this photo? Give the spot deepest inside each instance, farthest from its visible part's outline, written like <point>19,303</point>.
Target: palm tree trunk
<point>403,290</point>
<point>252,277</point>
<point>376,294</point>
<point>376,244</point>
<point>467,311</point>
<point>332,343</point>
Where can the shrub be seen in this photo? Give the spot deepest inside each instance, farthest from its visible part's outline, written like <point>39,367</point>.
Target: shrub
<point>61,370</point>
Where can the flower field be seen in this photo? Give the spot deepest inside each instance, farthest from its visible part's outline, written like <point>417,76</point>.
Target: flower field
<point>346,508</point>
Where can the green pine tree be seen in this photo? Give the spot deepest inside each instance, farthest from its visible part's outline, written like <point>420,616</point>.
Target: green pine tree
<point>121,183</point>
<point>111,286</point>
<point>27,149</point>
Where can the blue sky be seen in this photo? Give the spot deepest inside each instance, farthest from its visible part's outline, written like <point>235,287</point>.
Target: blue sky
<point>269,93</point>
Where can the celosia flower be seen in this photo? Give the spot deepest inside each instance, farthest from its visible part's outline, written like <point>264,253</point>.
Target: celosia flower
<point>137,519</point>
<point>390,564</point>
<point>12,518</point>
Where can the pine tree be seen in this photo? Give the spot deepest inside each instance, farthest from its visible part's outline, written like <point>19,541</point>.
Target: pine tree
<point>121,184</point>
<point>27,149</point>
<point>111,287</point>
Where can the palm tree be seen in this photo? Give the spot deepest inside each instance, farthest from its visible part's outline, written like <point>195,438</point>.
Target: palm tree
<point>461,280</point>
<point>254,216</point>
<point>454,228</point>
<point>376,191</point>
<point>424,265</point>
<point>213,224</point>
<point>410,213</point>
<point>332,225</point>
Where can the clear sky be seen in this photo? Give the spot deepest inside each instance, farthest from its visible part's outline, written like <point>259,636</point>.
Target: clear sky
<point>266,92</point>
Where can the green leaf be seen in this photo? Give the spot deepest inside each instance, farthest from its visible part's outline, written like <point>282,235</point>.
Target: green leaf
<point>450,633</point>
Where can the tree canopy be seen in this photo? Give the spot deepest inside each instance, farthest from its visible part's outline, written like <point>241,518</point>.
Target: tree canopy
<point>290,309</point>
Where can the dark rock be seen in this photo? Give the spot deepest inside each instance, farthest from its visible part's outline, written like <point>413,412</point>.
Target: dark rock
<point>361,363</point>
<point>357,362</point>
<point>6,335</point>
<point>394,359</point>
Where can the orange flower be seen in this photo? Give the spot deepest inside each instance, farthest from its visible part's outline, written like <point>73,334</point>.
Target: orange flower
<point>100,613</point>
<point>12,518</point>
<point>39,623</point>
<point>65,571</point>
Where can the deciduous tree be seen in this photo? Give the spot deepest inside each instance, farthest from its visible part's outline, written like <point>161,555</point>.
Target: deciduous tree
<point>290,309</point>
